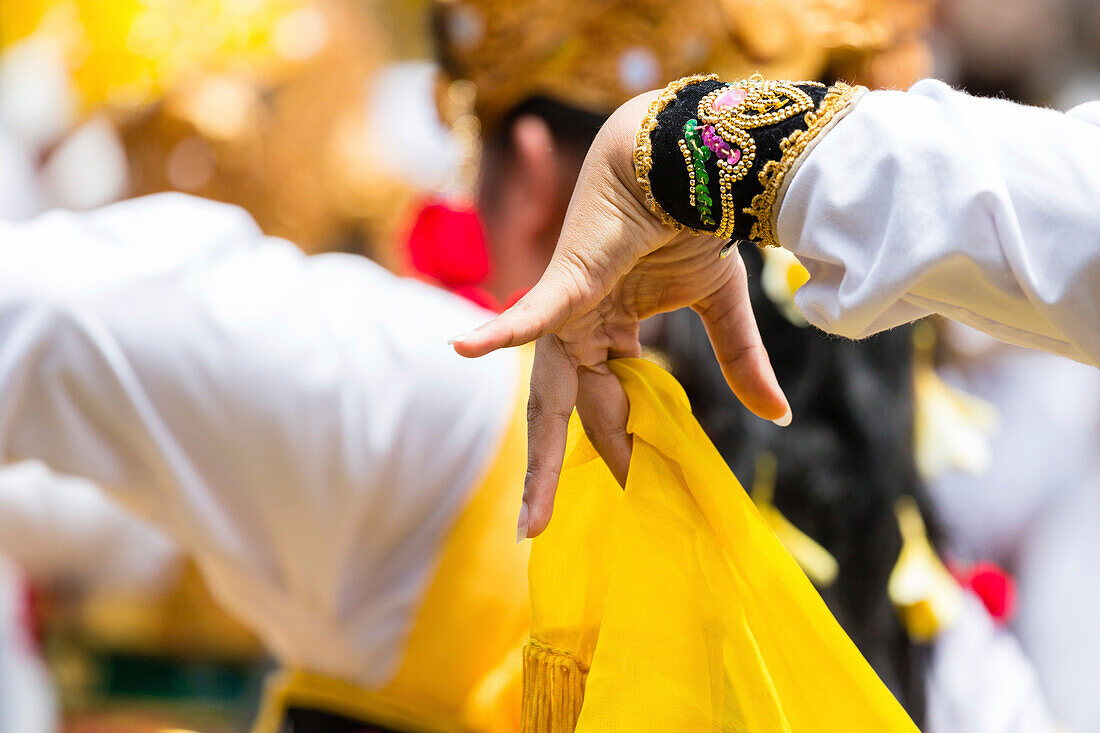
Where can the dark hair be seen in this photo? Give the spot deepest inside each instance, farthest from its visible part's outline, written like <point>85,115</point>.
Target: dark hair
<point>842,464</point>
<point>573,129</point>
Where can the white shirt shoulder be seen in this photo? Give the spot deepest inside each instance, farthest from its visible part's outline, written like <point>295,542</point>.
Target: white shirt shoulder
<point>298,422</point>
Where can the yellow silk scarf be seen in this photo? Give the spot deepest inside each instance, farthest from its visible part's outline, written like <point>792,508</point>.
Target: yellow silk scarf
<point>671,606</point>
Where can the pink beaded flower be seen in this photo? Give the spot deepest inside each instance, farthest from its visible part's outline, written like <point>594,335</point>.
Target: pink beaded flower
<point>720,147</point>
<point>731,97</point>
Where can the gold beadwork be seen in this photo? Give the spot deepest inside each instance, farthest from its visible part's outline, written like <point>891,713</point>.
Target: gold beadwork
<point>791,148</point>
<point>766,103</point>
<point>725,200</point>
<point>743,140</point>
<point>690,163</point>
<point>729,174</point>
<point>643,143</point>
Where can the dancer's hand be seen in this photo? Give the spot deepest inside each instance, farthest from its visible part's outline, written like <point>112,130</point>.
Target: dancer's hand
<point>616,264</point>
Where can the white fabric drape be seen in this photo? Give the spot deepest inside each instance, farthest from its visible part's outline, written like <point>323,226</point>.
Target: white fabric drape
<point>299,423</point>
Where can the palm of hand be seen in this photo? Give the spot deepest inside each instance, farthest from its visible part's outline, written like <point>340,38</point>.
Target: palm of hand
<point>685,272</point>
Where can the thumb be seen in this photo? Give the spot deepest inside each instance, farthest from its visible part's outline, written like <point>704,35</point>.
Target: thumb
<point>562,293</point>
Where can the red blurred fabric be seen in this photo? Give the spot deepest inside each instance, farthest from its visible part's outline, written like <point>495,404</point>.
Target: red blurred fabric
<point>447,243</point>
<point>993,585</point>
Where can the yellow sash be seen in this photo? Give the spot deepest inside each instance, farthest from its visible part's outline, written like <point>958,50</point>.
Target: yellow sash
<point>462,664</point>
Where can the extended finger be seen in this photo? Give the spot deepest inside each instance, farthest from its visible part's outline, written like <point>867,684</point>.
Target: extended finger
<point>730,324</point>
<point>553,394</point>
<point>603,409</point>
<point>563,292</point>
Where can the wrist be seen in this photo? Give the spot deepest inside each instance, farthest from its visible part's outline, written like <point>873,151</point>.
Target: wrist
<point>612,154</point>
<point>716,157</point>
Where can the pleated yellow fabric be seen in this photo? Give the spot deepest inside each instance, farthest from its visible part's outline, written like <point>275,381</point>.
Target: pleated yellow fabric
<point>671,606</point>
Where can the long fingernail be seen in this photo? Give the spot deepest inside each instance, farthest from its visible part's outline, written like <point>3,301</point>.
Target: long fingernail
<point>785,420</point>
<point>460,338</point>
<point>521,528</point>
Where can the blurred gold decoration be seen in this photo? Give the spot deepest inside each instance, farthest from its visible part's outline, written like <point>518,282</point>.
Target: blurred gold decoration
<point>184,622</point>
<point>20,19</point>
<point>292,148</point>
<point>110,649</point>
<point>596,55</point>
<point>458,107</point>
<point>927,597</point>
<point>882,44</point>
<point>952,430</point>
<point>780,278</point>
<point>125,53</point>
<point>258,103</point>
<point>817,562</point>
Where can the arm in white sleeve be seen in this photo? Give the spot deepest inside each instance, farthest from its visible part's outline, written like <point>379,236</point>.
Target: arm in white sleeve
<point>933,201</point>
<point>62,529</point>
<point>298,422</point>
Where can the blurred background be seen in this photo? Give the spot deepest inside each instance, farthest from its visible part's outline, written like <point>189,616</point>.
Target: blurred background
<point>328,120</point>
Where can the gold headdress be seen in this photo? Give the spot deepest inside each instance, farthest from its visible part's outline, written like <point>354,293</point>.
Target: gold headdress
<point>596,55</point>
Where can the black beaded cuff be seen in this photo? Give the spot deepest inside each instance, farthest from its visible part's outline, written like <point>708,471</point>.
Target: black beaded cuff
<point>713,156</point>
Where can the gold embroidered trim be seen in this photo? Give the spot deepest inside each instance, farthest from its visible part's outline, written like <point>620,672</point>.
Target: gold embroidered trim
<point>791,148</point>
<point>643,143</point>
